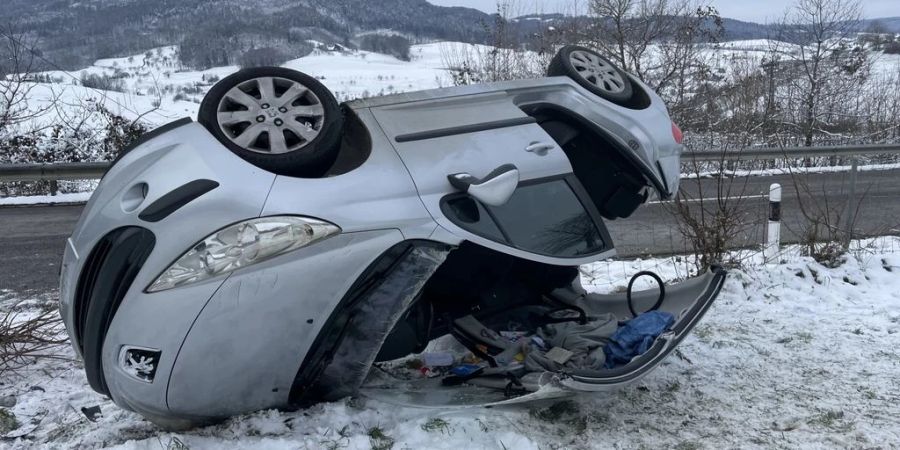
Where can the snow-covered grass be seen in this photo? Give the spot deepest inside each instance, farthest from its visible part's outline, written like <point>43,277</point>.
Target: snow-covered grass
<point>157,76</point>
<point>793,355</point>
<point>75,197</point>
<point>788,171</point>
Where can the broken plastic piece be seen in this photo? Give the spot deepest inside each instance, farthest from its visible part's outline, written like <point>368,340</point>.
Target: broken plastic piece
<point>92,413</point>
<point>438,359</point>
<point>559,355</point>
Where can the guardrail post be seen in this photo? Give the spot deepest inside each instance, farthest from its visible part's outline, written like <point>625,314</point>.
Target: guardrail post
<point>54,187</point>
<point>773,234</point>
<point>851,203</point>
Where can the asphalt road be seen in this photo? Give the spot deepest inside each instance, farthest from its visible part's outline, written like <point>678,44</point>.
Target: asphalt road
<point>32,239</point>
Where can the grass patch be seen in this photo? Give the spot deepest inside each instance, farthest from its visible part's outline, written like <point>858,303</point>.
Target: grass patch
<point>689,445</point>
<point>827,419</point>
<point>556,412</point>
<point>8,421</point>
<point>436,424</point>
<point>867,393</point>
<point>378,440</point>
<point>566,413</point>
<point>802,337</point>
<point>704,332</point>
<point>177,444</point>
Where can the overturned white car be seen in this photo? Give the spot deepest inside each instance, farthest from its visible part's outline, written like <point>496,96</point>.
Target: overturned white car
<point>273,254</point>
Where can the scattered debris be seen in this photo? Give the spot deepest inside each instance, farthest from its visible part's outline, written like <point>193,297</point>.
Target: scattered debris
<point>92,413</point>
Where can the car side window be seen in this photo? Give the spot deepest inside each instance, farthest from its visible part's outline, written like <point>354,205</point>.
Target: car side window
<point>471,215</point>
<point>546,218</point>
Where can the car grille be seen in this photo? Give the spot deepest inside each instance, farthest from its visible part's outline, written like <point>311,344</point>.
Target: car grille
<point>106,277</point>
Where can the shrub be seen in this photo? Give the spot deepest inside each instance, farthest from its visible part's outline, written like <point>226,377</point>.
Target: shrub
<point>102,82</point>
<point>397,46</point>
<point>24,339</point>
<point>119,133</point>
<point>261,57</point>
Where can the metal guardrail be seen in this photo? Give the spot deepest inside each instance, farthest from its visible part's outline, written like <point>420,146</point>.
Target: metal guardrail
<point>95,170</point>
<point>62,171</point>
<point>789,152</point>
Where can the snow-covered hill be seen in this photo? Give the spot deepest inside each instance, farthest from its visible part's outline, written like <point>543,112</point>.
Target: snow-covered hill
<point>155,86</point>
<point>158,78</point>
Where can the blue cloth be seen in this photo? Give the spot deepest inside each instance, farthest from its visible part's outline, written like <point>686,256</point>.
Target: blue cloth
<point>635,337</point>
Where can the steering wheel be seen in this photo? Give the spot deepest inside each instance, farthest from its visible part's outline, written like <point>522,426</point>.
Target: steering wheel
<point>662,291</point>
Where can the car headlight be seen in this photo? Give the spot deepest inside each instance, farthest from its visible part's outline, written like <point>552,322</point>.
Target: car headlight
<point>241,245</point>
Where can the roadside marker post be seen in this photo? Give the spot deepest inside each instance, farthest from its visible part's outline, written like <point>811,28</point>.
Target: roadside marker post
<point>850,216</point>
<point>773,236</point>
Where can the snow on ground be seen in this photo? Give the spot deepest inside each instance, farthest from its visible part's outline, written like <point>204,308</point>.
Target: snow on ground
<point>793,355</point>
<point>157,76</point>
<point>788,171</point>
<point>886,64</point>
<point>76,197</point>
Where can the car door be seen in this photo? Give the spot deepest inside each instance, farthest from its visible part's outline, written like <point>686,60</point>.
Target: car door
<point>548,217</point>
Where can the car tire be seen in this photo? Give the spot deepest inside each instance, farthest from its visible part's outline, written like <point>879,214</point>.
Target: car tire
<point>593,72</point>
<point>280,120</point>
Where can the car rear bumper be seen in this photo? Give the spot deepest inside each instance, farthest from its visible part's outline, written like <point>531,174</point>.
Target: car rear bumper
<point>704,290</point>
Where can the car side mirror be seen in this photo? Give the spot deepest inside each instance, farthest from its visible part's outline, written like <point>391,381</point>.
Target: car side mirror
<point>494,190</point>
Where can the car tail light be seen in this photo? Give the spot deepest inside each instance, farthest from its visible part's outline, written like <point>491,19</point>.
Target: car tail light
<point>677,134</point>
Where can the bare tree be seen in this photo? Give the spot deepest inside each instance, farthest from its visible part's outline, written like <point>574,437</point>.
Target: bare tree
<point>508,55</point>
<point>829,69</point>
<point>25,338</point>
<point>17,82</point>
<point>659,41</point>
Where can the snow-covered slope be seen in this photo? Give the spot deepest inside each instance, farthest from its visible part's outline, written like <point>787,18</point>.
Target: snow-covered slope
<point>794,355</point>
<point>157,78</point>
<point>156,87</point>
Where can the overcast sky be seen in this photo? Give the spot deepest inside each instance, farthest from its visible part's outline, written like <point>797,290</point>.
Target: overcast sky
<point>750,10</point>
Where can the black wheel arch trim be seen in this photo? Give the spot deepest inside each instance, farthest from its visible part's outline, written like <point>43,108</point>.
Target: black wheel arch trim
<point>335,329</point>
<point>116,261</point>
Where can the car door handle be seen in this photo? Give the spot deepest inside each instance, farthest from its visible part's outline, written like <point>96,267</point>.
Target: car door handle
<point>539,148</point>
<point>495,189</point>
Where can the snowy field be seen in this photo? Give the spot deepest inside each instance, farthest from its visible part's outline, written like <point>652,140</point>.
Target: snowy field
<point>157,76</point>
<point>156,88</point>
<point>793,355</point>
<point>74,197</point>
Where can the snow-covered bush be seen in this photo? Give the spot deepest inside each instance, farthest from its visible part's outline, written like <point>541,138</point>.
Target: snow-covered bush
<point>28,336</point>
<point>103,82</point>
